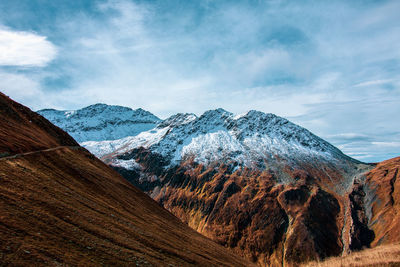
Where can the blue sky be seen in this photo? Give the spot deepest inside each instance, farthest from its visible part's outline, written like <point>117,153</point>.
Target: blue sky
<point>330,66</point>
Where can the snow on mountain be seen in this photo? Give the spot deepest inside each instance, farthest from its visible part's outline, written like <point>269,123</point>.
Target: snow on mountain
<point>101,122</point>
<point>250,140</point>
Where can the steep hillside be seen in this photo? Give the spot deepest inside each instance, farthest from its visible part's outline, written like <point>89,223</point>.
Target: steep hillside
<point>264,187</point>
<point>21,130</point>
<point>101,122</point>
<point>382,199</point>
<point>59,205</point>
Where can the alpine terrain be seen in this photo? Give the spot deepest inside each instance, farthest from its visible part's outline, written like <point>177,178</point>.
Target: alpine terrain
<point>260,185</point>
<point>61,206</point>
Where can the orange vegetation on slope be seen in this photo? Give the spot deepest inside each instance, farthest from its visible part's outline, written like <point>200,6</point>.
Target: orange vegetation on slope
<point>64,206</point>
<point>270,223</point>
<point>387,255</point>
<point>383,191</point>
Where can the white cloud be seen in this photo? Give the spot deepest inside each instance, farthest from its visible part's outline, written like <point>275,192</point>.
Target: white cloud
<point>22,88</point>
<point>374,82</point>
<point>18,85</point>
<point>20,48</point>
<point>387,144</point>
<point>349,136</point>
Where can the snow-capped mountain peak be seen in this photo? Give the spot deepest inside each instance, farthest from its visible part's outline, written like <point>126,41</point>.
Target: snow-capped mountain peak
<point>101,122</point>
<point>215,116</point>
<point>220,136</point>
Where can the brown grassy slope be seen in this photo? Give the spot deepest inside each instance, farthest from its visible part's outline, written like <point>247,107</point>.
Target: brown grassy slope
<point>383,184</point>
<point>22,130</point>
<point>388,255</point>
<point>66,207</point>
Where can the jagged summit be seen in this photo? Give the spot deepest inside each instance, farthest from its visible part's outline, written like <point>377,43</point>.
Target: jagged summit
<point>100,107</point>
<point>216,112</point>
<point>102,122</point>
<point>256,122</point>
<point>177,119</point>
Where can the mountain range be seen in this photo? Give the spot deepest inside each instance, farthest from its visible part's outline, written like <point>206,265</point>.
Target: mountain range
<point>256,183</point>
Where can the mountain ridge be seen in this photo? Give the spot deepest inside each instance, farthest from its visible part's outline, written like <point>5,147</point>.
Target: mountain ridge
<point>254,139</point>
<point>231,122</point>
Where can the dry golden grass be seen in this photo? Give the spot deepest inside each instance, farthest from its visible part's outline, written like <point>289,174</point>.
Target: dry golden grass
<point>388,255</point>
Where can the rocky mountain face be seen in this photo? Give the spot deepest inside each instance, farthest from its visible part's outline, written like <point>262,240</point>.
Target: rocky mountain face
<point>61,206</point>
<point>375,221</point>
<point>256,183</point>
<point>382,201</point>
<point>101,122</point>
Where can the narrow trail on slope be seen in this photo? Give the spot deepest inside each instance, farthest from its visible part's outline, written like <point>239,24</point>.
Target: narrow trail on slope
<point>37,151</point>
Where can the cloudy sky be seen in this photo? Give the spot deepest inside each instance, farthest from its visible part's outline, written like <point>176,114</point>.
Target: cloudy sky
<point>330,66</point>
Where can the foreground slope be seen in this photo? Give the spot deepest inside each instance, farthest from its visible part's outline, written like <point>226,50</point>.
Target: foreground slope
<point>61,205</point>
